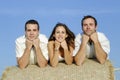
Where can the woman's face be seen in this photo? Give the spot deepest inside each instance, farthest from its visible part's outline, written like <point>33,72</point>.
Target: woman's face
<point>60,34</point>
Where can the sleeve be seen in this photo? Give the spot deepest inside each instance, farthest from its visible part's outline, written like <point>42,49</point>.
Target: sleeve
<point>43,46</point>
<point>77,44</point>
<point>105,44</point>
<point>19,48</point>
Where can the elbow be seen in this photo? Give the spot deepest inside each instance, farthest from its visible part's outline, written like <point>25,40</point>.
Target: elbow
<point>53,65</point>
<point>102,61</point>
<point>69,62</point>
<point>77,62</point>
<point>43,64</point>
<point>21,66</point>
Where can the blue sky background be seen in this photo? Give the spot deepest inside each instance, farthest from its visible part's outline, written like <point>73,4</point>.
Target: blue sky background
<point>14,14</point>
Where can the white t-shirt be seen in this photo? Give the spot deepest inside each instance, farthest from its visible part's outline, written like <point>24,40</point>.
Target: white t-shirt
<point>20,47</point>
<point>90,48</point>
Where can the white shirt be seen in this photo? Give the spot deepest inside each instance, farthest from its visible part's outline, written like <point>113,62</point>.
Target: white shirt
<point>20,47</point>
<point>90,48</point>
<point>60,58</point>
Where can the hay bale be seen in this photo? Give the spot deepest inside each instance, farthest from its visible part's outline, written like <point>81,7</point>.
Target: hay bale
<point>90,70</point>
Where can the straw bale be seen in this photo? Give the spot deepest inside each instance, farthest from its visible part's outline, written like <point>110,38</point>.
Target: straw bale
<point>90,70</point>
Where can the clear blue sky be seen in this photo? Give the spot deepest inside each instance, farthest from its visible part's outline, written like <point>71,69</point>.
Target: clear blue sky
<point>14,14</point>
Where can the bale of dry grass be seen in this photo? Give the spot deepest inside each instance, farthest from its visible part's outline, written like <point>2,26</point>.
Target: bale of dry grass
<point>90,70</point>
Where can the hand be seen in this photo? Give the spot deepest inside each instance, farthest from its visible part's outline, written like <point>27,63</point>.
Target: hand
<point>29,44</point>
<point>57,45</point>
<point>64,45</point>
<point>85,39</point>
<point>36,43</point>
<point>94,37</point>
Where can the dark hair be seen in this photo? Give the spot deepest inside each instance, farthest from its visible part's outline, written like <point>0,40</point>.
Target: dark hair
<point>70,38</point>
<point>32,21</point>
<point>89,16</point>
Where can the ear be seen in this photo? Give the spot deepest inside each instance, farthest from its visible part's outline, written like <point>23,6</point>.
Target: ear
<point>95,27</point>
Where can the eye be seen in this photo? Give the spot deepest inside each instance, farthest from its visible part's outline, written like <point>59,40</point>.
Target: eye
<point>34,30</point>
<point>28,30</point>
<point>63,32</point>
<point>91,24</point>
<point>84,24</point>
<point>57,32</point>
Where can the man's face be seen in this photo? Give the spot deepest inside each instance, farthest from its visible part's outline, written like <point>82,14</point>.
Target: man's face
<point>89,26</point>
<point>32,31</point>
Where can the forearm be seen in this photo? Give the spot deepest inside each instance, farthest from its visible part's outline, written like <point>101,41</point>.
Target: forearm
<point>100,53</point>
<point>24,60</point>
<point>54,60</point>
<point>80,57</point>
<point>68,57</point>
<point>42,62</point>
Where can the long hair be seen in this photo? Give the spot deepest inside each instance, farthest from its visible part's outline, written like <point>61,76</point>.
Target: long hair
<point>70,38</point>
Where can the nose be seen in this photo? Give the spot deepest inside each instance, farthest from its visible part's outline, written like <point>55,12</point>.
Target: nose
<point>88,27</point>
<point>31,32</point>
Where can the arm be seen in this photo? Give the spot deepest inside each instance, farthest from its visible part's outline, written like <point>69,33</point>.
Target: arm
<point>42,62</point>
<point>81,54</point>
<point>53,53</point>
<point>67,54</point>
<point>24,60</point>
<point>100,53</point>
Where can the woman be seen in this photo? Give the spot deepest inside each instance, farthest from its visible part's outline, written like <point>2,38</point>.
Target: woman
<point>61,45</point>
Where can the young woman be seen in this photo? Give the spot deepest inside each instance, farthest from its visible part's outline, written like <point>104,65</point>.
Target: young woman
<point>61,45</point>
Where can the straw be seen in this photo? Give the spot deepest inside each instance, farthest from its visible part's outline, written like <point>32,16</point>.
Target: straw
<point>90,70</point>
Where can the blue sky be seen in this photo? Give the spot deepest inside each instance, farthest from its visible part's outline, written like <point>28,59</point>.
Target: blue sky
<point>14,14</point>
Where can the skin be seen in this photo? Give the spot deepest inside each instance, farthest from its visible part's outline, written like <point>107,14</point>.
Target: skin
<point>32,40</point>
<point>55,46</point>
<point>89,30</point>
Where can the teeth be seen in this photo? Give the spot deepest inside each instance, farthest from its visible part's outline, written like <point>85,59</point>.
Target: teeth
<point>60,38</point>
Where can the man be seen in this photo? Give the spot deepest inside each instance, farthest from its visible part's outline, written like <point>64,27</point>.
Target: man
<point>31,48</point>
<point>90,43</point>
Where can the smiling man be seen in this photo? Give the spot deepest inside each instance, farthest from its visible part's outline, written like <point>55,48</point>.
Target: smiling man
<point>91,43</point>
<point>31,48</point>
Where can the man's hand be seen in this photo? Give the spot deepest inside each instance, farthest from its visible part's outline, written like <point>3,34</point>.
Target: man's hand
<point>94,37</point>
<point>29,44</point>
<point>36,43</point>
<point>85,39</point>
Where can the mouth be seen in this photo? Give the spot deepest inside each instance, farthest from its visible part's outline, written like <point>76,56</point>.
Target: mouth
<point>60,39</point>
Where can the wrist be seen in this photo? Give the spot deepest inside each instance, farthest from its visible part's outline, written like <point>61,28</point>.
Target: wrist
<point>56,49</point>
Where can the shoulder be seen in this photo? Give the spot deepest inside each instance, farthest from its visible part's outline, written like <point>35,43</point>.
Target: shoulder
<point>43,38</point>
<point>78,36</point>
<point>101,36</point>
<point>20,39</point>
<point>50,42</point>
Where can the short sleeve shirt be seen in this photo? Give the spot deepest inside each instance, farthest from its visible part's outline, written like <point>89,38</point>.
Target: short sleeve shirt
<point>20,47</point>
<point>104,42</point>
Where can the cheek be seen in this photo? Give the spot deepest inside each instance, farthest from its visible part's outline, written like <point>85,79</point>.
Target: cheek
<point>26,34</point>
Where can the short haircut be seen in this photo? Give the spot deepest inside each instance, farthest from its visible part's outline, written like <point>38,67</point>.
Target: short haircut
<point>89,16</point>
<point>32,21</point>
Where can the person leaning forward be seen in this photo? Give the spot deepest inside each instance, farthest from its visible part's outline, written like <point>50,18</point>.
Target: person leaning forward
<point>90,43</point>
<point>61,45</point>
<point>31,48</point>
